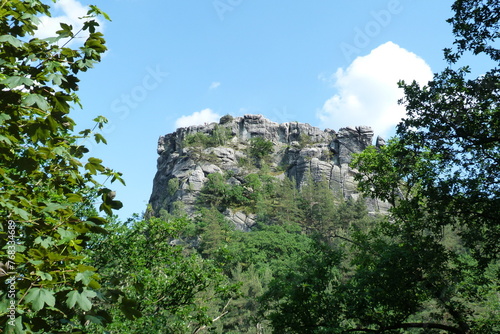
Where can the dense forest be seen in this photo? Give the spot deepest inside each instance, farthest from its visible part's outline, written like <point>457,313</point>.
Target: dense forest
<point>313,262</point>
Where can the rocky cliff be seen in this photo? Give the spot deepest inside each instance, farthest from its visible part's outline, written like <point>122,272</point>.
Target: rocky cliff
<point>297,149</point>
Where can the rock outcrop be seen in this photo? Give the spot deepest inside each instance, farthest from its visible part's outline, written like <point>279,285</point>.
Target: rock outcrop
<point>298,149</point>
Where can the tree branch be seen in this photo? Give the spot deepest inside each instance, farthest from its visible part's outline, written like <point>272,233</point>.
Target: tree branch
<point>223,313</point>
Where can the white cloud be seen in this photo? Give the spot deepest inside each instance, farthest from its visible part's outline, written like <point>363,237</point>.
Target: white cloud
<point>197,118</point>
<point>214,85</point>
<point>71,11</point>
<point>367,91</point>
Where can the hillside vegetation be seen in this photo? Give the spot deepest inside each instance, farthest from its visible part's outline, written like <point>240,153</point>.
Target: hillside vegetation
<point>253,226</point>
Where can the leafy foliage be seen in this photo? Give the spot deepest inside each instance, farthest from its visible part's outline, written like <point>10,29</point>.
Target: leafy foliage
<point>46,187</point>
<point>218,137</point>
<point>300,300</point>
<point>226,119</point>
<point>429,266</point>
<point>314,263</point>
<point>286,224</point>
<point>260,149</point>
<point>162,286</point>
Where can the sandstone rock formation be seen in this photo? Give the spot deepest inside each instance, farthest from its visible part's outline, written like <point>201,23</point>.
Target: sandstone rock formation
<point>298,148</point>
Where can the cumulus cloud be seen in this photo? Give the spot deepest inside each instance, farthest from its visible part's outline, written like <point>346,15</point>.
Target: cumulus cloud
<point>197,118</point>
<point>367,91</point>
<point>214,85</point>
<point>70,12</point>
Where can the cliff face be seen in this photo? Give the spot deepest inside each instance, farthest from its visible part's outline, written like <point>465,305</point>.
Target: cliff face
<point>298,149</point>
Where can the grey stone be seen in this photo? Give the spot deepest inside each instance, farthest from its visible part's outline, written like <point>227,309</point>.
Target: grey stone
<point>302,148</point>
<point>242,221</point>
<point>380,142</point>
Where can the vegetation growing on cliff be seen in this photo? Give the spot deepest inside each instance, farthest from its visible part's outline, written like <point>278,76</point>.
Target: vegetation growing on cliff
<point>317,264</point>
<point>219,136</point>
<point>313,262</point>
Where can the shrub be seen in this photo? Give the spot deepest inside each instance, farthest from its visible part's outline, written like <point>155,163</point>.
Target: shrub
<point>219,137</point>
<point>260,147</point>
<point>226,119</point>
<point>304,140</point>
<point>172,186</point>
<point>198,139</point>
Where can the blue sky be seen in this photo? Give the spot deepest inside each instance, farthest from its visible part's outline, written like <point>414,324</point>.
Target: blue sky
<point>174,63</point>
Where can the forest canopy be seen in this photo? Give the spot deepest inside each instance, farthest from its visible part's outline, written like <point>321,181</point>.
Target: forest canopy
<point>312,262</point>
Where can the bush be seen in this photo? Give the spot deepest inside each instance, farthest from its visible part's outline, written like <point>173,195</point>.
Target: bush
<point>172,186</point>
<point>198,139</point>
<point>226,119</point>
<point>260,147</point>
<point>219,137</point>
<point>305,140</point>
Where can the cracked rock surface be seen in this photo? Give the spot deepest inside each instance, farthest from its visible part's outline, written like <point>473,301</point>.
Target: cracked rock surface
<point>298,148</point>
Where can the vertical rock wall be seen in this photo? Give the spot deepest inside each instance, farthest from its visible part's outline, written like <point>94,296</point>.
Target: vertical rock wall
<point>300,148</point>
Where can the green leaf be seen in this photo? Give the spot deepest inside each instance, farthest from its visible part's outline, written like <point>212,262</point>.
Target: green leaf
<point>66,31</point>
<point>117,176</point>
<point>74,198</point>
<point>65,235</point>
<point>116,205</point>
<point>51,207</point>
<point>5,140</point>
<point>61,102</point>
<point>99,138</point>
<point>85,277</point>
<point>94,165</point>
<point>45,243</point>
<point>130,309</point>
<point>97,220</point>
<point>39,100</point>
<point>21,213</point>
<point>101,120</point>
<point>60,151</point>
<point>17,81</point>
<point>55,78</point>
<point>71,299</point>
<point>94,320</point>
<point>94,10</point>
<point>11,40</point>
<point>106,208</point>
<point>82,299</point>
<point>4,117</point>
<point>44,276</point>
<point>36,263</point>
<point>38,297</point>
<point>18,326</point>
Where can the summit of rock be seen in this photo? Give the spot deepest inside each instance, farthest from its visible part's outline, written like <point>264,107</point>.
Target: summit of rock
<point>297,149</point>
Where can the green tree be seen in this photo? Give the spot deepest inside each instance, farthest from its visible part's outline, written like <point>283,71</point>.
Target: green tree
<point>307,297</point>
<point>285,205</point>
<point>319,206</point>
<point>44,180</point>
<point>260,149</point>
<point>219,193</point>
<point>432,266</point>
<point>226,119</point>
<point>162,285</point>
<point>252,259</point>
<point>243,316</point>
<point>441,174</point>
<point>200,140</point>
<point>214,233</point>
<point>220,135</point>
